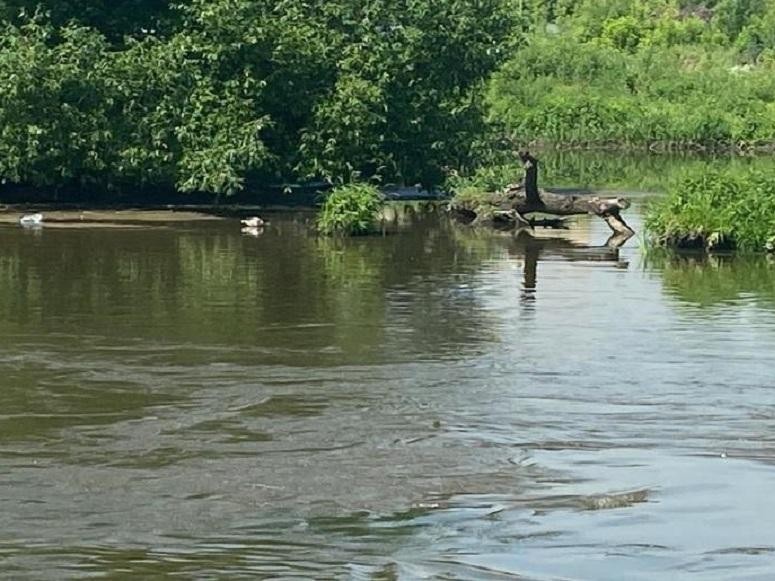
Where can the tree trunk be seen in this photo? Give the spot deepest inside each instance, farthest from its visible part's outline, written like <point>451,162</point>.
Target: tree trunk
<point>530,186</point>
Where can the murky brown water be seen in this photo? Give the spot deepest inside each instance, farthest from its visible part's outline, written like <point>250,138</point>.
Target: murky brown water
<point>431,404</point>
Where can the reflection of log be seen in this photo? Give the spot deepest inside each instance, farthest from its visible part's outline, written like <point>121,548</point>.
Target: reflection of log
<point>534,250</point>
<point>553,223</point>
<point>509,207</point>
<point>564,249</point>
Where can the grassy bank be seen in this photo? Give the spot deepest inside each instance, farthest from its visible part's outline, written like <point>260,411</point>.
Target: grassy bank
<point>350,210</point>
<point>654,75</point>
<point>604,170</point>
<point>716,209</point>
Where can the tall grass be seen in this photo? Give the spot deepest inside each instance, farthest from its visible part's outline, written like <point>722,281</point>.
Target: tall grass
<point>716,208</point>
<point>665,88</point>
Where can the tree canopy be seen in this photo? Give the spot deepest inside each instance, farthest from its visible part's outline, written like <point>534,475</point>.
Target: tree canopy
<point>226,91</point>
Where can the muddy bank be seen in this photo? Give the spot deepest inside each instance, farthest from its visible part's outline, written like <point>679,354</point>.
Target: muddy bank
<point>64,218</point>
<point>394,213</point>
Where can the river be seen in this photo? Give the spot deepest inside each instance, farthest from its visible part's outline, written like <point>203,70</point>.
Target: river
<point>439,403</point>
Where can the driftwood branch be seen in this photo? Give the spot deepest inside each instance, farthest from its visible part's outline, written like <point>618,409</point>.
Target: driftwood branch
<point>512,204</point>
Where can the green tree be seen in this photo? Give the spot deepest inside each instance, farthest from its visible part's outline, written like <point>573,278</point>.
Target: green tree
<point>54,127</point>
<point>114,18</point>
<point>247,90</point>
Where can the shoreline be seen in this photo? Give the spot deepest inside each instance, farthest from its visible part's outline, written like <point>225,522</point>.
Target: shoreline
<point>70,215</point>
<point>29,199</point>
<point>106,218</point>
<point>658,148</point>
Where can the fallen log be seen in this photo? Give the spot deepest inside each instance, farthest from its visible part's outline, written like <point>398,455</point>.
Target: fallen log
<point>508,208</point>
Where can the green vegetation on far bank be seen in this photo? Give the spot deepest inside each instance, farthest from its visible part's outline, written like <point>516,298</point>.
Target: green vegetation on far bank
<point>626,171</point>
<point>234,92</point>
<point>657,74</point>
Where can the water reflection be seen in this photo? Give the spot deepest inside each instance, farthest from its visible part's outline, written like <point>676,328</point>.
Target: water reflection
<point>532,249</point>
<point>716,281</point>
<point>209,285</point>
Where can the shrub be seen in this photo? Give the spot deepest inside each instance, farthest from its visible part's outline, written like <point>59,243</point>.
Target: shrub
<point>623,33</point>
<point>716,208</point>
<point>351,210</point>
<point>568,92</point>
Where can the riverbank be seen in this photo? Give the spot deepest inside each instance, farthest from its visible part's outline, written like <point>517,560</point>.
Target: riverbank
<point>637,89</point>
<point>397,212</point>
<point>740,148</point>
<point>310,195</point>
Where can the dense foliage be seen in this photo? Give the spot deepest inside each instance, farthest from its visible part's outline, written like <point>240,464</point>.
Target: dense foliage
<point>667,74</point>
<point>717,209</point>
<point>209,94</point>
<point>114,18</point>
